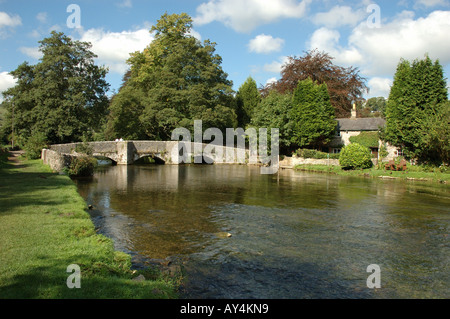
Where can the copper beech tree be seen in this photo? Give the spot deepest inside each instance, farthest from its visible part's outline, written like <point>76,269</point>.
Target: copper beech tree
<point>345,85</point>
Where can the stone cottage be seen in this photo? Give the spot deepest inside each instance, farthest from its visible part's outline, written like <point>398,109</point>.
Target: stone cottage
<point>353,126</point>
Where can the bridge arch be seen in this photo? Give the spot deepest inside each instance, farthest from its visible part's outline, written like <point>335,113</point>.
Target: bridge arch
<point>160,160</point>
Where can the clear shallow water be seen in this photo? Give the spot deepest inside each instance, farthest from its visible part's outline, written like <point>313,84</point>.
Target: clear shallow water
<point>293,235</point>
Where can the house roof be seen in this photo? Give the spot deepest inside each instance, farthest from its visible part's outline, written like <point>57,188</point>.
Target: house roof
<point>361,124</point>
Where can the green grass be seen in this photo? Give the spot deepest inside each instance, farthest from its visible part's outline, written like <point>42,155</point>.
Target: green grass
<point>44,228</point>
<point>413,173</point>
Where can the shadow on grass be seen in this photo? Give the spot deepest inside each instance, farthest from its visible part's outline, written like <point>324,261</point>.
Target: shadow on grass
<point>31,189</point>
<point>50,282</point>
<point>34,190</point>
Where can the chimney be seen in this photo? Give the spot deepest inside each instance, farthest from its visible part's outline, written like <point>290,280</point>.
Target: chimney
<point>354,111</point>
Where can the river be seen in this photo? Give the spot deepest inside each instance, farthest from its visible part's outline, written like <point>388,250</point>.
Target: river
<point>239,234</point>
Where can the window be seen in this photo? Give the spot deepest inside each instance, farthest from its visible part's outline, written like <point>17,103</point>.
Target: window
<point>399,152</point>
<point>336,150</point>
<point>338,132</point>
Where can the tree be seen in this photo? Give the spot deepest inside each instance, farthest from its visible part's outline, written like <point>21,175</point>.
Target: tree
<point>312,115</point>
<point>345,85</point>
<point>273,112</point>
<point>374,107</point>
<point>414,101</point>
<point>247,100</point>
<point>435,132</point>
<point>174,81</point>
<point>62,97</point>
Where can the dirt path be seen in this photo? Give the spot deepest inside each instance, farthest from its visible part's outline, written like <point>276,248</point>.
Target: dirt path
<point>14,157</point>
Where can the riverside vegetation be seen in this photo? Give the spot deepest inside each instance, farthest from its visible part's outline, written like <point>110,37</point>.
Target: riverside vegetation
<point>44,228</point>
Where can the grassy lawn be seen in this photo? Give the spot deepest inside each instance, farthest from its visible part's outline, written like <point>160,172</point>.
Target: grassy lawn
<point>412,173</point>
<point>44,228</point>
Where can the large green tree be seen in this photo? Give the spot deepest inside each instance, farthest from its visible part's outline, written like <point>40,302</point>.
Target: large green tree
<point>416,96</point>
<point>247,100</point>
<point>63,97</point>
<point>174,81</point>
<point>273,112</point>
<point>311,115</point>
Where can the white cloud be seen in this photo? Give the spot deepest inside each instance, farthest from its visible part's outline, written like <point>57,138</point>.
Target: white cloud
<point>35,34</point>
<point>276,66</point>
<point>6,81</point>
<point>9,21</point>
<point>431,3</point>
<point>125,4</point>
<point>195,34</point>
<point>327,40</point>
<point>245,16</point>
<point>42,17</point>
<point>114,48</point>
<point>265,44</point>
<point>377,51</point>
<point>55,27</point>
<point>32,52</point>
<point>404,37</point>
<point>271,80</point>
<point>339,16</point>
<point>379,87</point>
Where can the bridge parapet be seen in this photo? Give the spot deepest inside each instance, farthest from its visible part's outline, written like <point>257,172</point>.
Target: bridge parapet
<point>127,152</point>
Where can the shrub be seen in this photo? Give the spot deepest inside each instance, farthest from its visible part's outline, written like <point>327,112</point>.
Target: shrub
<point>84,148</point>
<point>82,166</point>
<point>307,153</point>
<point>355,156</point>
<point>367,139</point>
<point>34,145</point>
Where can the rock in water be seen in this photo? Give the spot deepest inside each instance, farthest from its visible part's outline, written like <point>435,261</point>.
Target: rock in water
<point>223,235</point>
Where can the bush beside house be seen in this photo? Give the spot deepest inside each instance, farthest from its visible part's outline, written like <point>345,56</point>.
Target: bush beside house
<point>355,156</point>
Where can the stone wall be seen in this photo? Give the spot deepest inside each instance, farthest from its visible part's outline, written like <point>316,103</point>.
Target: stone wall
<point>56,161</point>
<point>291,162</point>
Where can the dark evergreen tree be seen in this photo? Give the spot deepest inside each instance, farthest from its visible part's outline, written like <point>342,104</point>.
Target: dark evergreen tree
<point>416,94</point>
<point>273,112</point>
<point>247,100</point>
<point>312,115</point>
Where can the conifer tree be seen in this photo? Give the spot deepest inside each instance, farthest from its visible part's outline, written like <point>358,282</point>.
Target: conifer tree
<point>312,115</point>
<point>247,100</point>
<point>418,90</point>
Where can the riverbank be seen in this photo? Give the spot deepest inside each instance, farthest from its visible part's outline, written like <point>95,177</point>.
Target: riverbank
<point>44,228</point>
<point>436,176</point>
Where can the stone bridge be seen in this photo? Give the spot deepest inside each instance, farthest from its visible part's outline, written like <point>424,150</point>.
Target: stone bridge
<point>127,152</point>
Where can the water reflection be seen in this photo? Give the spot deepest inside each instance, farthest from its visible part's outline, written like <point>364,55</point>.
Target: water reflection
<point>293,235</point>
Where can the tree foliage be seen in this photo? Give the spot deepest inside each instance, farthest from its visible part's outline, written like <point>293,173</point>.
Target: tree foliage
<point>345,85</point>
<point>62,97</point>
<point>435,132</point>
<point>367,139</point>
<point>373,107</point>
<point>247,99</point>
<point>273,112</point>
<point>312,115</point>
<point>417,100</point>
<point>174,81</point>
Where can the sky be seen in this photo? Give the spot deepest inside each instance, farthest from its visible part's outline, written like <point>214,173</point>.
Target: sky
<point>253,37</point>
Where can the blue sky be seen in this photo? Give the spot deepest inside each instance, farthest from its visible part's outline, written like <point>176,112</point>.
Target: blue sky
<point>254,37</point>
